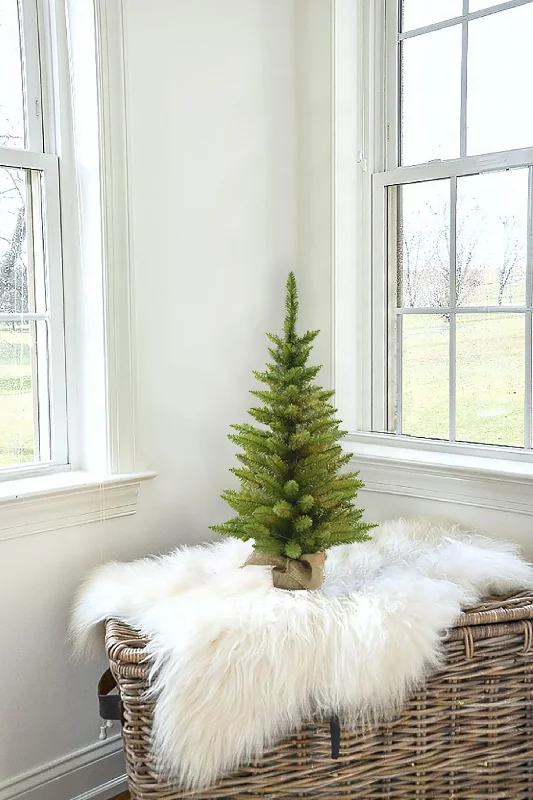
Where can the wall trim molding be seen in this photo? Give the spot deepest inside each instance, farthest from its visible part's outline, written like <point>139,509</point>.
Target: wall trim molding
<point>488,490</point>
<point>99,766</point>
<point>63,500</point>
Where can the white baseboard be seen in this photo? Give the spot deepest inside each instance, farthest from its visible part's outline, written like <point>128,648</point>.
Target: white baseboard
<point>94,773</point>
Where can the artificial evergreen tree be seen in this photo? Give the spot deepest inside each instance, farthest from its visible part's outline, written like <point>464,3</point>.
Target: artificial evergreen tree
<point>293,500</point>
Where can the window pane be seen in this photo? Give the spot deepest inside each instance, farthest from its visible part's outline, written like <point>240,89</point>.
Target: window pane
<point>425,357</point>
<point>478,5</point>
<point>492,238</point>
<point>11,94</point>
<point>417,13</point>
<point>500,65</point>
<point>431,96</point>
<point>17,400</point>
<point>13,249</point>
<point>22,271</point>
<point>490,378</point>
<point>424,244</point>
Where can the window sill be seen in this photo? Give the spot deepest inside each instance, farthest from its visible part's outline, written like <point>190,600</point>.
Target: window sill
<point>64,499</point>
<point>475,480</point>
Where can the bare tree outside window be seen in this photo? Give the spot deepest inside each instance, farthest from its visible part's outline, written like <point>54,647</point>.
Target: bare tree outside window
<point>467,275</point>
<point>13,271</point>
<point>414,268</point>
<point>512,264</point>
<point>425,252</point>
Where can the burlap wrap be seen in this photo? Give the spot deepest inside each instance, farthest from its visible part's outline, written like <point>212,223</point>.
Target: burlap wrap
<point>306,572</point>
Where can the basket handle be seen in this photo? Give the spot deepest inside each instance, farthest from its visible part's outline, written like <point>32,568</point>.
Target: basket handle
<point>110,705</point>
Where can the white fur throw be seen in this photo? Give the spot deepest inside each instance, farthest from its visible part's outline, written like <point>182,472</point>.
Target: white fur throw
<point>239,664</point>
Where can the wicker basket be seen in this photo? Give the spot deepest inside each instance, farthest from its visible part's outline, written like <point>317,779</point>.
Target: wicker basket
<point>467,734</point>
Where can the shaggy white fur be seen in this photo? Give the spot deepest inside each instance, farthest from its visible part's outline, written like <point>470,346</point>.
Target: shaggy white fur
<point>239,664</point>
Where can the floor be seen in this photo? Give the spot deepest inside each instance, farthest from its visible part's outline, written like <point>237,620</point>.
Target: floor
<point>123,796</point>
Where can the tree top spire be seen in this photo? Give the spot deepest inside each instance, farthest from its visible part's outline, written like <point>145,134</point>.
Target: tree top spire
<point>291,307</point>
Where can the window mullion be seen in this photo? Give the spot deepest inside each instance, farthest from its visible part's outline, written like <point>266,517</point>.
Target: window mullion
<point>34,362</point>
<point>55,327</point>
<point>469,165</point>
<point>23,316</point>
<point>463,310</point>
<point>464,84</point>
<point>379,309</point>
<point>529,245</point>
<point>527,382</point>
<point>528,388</point>
<point>452,316</point>
<point>40,415</point>
<point>30,250</point>
<point>25,159</point>
<point>399,372</point>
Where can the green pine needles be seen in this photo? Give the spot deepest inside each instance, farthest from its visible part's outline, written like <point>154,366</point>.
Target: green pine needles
<point>293,499</point>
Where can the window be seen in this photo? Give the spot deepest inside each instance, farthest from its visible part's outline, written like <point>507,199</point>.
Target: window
<point>32,362</point>
<point>63,135</point>
<point>452,228</point>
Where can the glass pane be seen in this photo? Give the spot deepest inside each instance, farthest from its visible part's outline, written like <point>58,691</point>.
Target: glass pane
<point>417,13</point>
<point>478,5</point>
<point>492,238</point>
<point>424,244</point>
<point>11,93</point>
<point>17,400</point>
<point>22,271</point>
<point>13,249</point>
<point>425,357</point>
<point>500,65</point>
<point>490,378</point>
<point>431,96</point>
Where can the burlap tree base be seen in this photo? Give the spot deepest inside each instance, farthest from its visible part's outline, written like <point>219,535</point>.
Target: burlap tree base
<point>306,572</point>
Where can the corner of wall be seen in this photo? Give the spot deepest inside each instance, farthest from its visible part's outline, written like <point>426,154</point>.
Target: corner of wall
<point>314,126</point>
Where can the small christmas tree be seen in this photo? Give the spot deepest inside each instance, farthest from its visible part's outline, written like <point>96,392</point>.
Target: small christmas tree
<point>293,500</point>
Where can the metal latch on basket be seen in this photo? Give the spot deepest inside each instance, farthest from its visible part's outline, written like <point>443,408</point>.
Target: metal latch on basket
<point>110,705</point>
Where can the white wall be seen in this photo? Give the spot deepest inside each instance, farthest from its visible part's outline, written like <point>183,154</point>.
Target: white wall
<point>314,185</point>
<point>211,154</point>
<point>514,527</point>
<point>212,159</point>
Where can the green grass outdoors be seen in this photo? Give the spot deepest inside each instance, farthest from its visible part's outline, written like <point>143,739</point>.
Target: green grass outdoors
<point>16,402</point>
<point>490,377</point>
<point>490,382</point>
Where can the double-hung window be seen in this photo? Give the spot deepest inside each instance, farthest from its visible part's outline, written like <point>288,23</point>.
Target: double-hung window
<point>32,360</point>
<point>65,289</point>
<point>452,224</point>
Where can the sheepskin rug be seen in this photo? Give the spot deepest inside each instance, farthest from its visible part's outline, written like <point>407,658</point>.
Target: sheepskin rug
<point>237,664</point>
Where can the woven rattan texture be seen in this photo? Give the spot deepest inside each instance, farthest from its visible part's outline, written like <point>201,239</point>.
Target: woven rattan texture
<point>468,734</point>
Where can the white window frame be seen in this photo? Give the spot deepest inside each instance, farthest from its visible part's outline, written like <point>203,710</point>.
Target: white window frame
<point>40,157</point>
<point>85,58</point>
<point>362,395</point>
